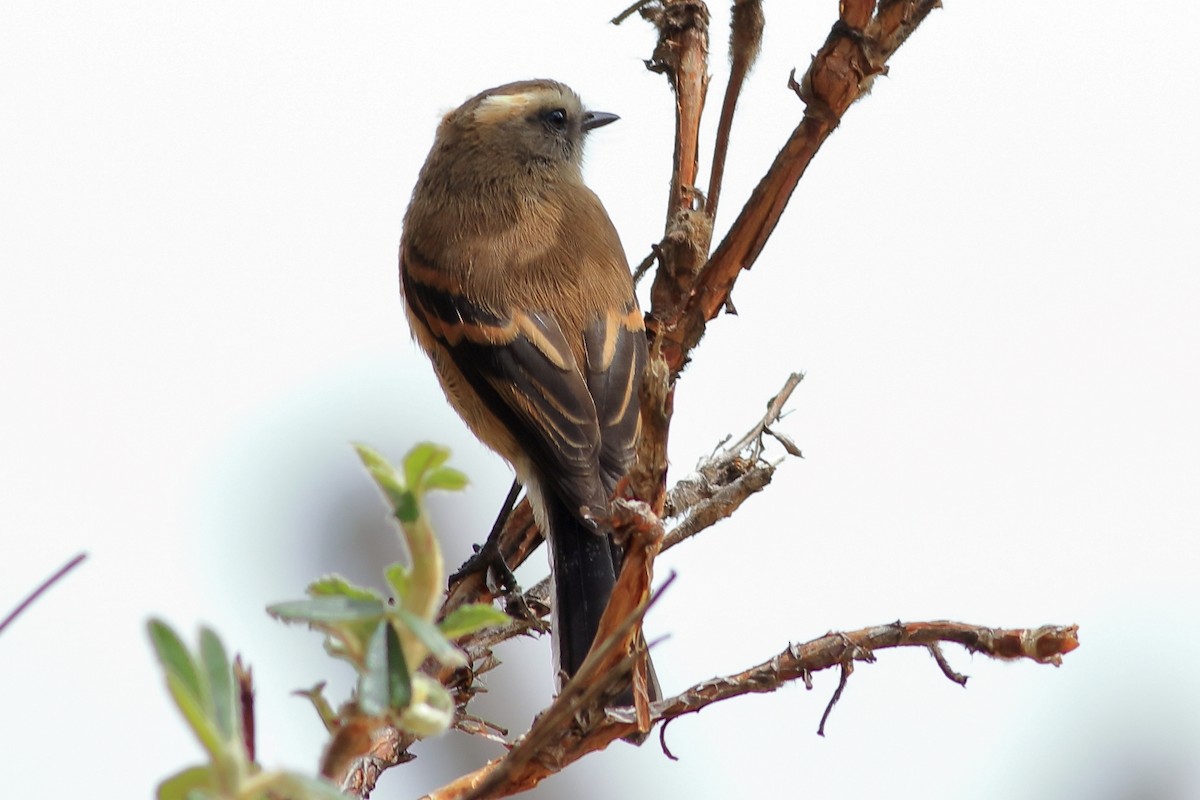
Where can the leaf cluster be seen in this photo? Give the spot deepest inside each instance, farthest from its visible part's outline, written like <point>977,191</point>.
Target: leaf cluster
<point>386,639</point>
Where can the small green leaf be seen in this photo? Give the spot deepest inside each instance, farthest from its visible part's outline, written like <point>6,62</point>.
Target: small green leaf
<point>372,683</point>
<point>439,646</point>
<point>175,659</point>
<point>337,585</point>
<point>398,577</point>
<point>219,677</point>
<point>447,479</point>
<point>407,507</point>
<point>316,696</point>
<point>471,617</point>
<point>369,457</point>
<point>421,460</point>
<point>384,475</point>
<point>187,784</point>
<point>385,682</point>
<point>399,681</point>
<point>197,719</point>
<point>328,609</point>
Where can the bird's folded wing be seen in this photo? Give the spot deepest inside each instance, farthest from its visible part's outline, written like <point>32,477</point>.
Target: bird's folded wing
<point>616,358</point>
<point>522,368</point>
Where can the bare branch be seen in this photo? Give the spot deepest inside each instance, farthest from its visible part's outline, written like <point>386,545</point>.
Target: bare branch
<point>774,412</point>
<point>41,589</point>
<point>575,732</point>
<point>935,650</point>
<point>637,6</point>
<point>841,72</point>
<point>384,748</point>
<point>642,268</point>
<point>722,482</point>
<point>847,671</point>
<point>682,55</point>
<point>648,477</point>
<point>721,505</point>
<point>1045,645</point>
<point>745,40</point>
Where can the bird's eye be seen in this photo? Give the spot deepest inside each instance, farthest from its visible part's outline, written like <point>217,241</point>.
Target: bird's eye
<point>556,119</point>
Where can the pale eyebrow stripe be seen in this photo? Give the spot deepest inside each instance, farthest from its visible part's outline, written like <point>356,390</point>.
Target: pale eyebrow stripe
<point>497,107</point>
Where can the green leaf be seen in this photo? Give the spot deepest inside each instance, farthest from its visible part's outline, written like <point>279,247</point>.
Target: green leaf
<point>347,614</point>
<point>219,677</point>
<point>421,460</point>
<point>447,479</point>
<point>399,681</point>
<point>439,646</point>
<point>407,507</point>
<point>372,683</point>
<point>398,577</point>
<point>327,609</point>
<point>196,717</point>
<point>316,696</point>
<point>471,617</point>
<point>370,457</point>
<point>384,475</point>
<point>175,659</point>
<point>337,585</point>
<point>182,785</point>
<point>385,682</point>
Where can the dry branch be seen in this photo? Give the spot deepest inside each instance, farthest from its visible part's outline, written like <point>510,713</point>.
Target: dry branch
<point>722,482</point>
<point>1045,645</point>
<point>42,588</point>
<point>841,72</point>
<point>585,734</point>
<point>745,39</point>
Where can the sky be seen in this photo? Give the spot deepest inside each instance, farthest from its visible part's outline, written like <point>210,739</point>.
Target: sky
<point>989,276</point>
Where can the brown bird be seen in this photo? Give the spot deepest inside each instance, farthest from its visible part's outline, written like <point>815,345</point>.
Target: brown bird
<point>517,287</point>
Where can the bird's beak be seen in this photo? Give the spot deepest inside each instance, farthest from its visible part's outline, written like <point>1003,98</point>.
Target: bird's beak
<point>596,119</point>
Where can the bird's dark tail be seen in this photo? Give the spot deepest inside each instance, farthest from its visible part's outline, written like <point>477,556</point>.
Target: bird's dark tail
<point>584,575</point>
<point>585,569</point>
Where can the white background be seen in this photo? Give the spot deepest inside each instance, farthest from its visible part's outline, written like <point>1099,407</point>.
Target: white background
<point>989,275</point>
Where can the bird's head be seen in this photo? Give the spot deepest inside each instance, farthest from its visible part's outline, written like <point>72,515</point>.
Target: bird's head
<point>538,125</point>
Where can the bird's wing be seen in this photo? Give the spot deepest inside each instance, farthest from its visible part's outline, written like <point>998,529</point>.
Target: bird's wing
<point>616,359</point>
<point>521,366</point>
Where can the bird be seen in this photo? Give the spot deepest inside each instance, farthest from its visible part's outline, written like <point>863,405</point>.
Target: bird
<point>517,287</point>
